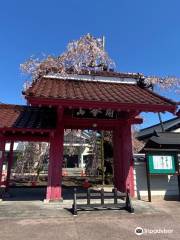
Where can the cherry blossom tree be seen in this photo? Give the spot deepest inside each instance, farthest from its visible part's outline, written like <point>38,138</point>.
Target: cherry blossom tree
<point>167,83</point>
<point>85,54</point>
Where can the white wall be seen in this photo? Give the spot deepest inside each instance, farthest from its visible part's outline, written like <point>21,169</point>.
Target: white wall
<point>161,185</point>
<point>177,130</point>
<point>7,146</point>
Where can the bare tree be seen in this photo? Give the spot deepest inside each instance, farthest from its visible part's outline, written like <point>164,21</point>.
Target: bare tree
<point>31,160</point>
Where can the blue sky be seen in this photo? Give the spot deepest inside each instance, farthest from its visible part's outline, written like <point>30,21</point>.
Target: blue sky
<point>141,36</point>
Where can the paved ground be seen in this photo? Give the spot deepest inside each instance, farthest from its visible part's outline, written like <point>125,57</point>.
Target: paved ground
<point>37,220</point>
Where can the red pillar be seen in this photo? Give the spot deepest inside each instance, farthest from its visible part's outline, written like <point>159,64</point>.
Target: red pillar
<point>10,163</point>
<point>54,191</point>
<point>2,155</point>
<point>123,159</point>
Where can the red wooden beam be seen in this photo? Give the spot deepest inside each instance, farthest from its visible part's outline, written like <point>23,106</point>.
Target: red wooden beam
<point>25,130</point>
<point>103,105</point>
<point>26,138</point>
<point>98,123</point>
<point>26,134</point>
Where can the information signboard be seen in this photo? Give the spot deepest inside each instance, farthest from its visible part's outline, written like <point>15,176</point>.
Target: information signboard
<point>161,164</point>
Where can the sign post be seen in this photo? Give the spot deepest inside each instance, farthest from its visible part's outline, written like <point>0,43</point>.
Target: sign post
<point>160,163</point>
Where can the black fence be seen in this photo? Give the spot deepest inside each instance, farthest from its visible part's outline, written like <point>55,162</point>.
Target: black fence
<point>102,198</point>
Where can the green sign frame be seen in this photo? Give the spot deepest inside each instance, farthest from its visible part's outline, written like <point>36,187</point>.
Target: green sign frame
<point>161,163</point>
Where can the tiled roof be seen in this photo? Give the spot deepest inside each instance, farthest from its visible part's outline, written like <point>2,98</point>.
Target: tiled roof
<point>9,114</point>
<point>13,116</point>
<point>164,141</point>
<point>166,138</point>
<point>169,125</point>
<point>94,91</point>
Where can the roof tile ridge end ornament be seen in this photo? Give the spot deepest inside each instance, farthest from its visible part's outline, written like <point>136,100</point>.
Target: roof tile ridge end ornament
<point>155,133</point>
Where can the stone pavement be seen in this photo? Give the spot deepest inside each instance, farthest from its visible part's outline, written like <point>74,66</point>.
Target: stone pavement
<point>37,220</point>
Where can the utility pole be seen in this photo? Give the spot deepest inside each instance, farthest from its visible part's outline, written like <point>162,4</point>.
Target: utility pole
<point>161,122</point>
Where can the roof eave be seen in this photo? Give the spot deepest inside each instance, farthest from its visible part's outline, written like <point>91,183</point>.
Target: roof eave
<point>40,101</point>
<point>25,130</point>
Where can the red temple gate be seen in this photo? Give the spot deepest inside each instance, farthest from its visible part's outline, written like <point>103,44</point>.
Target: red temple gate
<point>103,101</point>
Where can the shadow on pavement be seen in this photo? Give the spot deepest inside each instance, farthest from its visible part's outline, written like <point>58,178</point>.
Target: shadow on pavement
<point>35,193</point>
